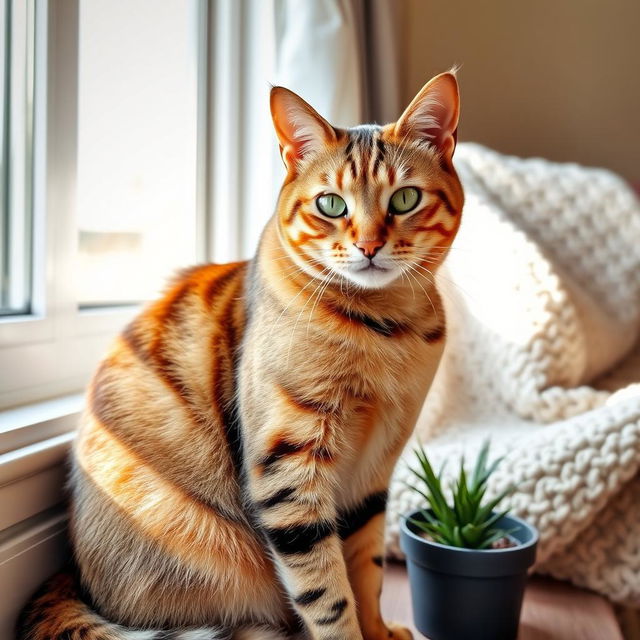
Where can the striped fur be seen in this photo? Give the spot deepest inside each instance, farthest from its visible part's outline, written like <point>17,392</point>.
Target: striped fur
<point>230,474</point>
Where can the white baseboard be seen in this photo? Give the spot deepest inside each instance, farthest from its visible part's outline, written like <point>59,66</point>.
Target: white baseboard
<point>33,524</point>
<point>32,479</point>
<point>30,552</point>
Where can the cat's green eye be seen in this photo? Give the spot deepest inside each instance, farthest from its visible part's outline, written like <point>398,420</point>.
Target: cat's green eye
<point>331,205</point>
<point>404,200</point>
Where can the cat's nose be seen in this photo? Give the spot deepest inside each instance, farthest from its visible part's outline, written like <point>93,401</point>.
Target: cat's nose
<point>369,247</point>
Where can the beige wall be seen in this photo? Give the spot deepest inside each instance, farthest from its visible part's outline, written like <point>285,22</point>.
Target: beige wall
<point>555,78</point>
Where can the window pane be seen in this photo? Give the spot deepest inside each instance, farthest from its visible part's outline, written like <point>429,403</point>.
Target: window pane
<point>136,147</point>
<point>16,129</point>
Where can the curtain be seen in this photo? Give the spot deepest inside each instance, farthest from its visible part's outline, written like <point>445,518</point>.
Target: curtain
<point>341,56</point>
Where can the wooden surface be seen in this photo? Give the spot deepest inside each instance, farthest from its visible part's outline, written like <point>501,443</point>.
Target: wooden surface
<point>551,611</point>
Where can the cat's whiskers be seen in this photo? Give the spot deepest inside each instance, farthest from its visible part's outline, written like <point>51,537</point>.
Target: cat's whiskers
<point>413,272</point>
<point>292,273</point>
<point>304,306</point>
<point>295,269</point>
<point>289,274</point>
<point>403,275</point>
<point>287,257</point>
<point>432,279</point>
<point>453,246</point>
<point>277,321</point>
<point>328,282</point>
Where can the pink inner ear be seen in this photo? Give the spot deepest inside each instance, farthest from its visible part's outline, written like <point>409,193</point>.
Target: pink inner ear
<point>433,118</point>
<point>442,116</point>
<point>300,129</point>
<point>433,114</point>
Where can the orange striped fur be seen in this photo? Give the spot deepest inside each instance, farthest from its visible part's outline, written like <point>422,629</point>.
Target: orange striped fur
<point>230,473</point>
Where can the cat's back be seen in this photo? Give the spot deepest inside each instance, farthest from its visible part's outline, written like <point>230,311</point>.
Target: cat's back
<point>171,368</point>
<point>154,468</point>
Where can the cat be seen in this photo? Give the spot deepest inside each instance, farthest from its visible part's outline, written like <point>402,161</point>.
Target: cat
<point>231,469</point>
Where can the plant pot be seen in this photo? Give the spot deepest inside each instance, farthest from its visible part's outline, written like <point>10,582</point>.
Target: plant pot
<point>468,594</point>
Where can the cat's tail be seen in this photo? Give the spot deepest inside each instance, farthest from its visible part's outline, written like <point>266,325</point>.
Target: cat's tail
<point>57,612</point>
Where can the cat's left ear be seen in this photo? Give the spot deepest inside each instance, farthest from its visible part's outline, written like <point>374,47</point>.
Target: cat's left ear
<point>301,130</point>
<point>433,114</point>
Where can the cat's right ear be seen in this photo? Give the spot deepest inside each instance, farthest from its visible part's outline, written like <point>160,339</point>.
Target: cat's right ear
<point>301,130</point>
<point>433,114</point>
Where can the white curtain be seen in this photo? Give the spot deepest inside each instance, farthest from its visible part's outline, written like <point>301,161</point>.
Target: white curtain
<point>342,56</point>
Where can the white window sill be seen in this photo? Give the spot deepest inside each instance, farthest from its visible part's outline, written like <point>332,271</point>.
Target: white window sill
<point>34,445</point>
<point>37,422</point>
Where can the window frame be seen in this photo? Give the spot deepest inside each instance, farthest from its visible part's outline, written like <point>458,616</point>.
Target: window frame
<point>16,141</point>
<point>57,330</point>
<point>234,55</point>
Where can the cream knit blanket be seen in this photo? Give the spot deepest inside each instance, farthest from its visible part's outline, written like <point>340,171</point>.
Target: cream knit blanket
<point>542,294</point>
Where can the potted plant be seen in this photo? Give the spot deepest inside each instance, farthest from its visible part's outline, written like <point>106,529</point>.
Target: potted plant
<point>467,561</point>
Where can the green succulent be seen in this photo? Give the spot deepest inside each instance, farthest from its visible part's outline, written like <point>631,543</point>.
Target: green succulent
<point>468,523</point>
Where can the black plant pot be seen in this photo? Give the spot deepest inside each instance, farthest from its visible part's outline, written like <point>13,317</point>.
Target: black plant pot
<point>467,594</point>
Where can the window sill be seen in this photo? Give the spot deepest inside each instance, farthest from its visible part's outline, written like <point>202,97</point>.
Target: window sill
<point>34,446</point>
<point>35,423</point>
<point>60,363</point>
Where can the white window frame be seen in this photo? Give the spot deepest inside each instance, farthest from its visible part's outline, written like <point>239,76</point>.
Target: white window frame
<point>18,136</point>
<point>230,128</point>
<point>32,346</point>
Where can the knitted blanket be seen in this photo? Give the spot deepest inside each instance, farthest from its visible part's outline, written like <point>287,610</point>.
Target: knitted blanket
<point>542,295</point>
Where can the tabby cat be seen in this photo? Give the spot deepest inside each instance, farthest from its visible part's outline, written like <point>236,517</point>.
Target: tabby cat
<point>231,469</point>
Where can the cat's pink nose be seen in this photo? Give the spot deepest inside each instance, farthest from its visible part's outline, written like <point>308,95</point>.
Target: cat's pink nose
<point>369,247</point>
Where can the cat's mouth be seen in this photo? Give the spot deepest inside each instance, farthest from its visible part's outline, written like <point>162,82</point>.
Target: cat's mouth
<point>372,275</point>
<point>372,267</point>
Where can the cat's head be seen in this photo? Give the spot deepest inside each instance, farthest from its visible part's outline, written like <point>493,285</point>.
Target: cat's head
<point>371,203</point>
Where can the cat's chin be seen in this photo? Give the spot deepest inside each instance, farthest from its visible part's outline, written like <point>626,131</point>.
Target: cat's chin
<point>373,278</point>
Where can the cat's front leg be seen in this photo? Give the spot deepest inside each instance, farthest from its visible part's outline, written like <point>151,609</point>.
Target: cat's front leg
<point>291,482</point>
<point>363,533</point>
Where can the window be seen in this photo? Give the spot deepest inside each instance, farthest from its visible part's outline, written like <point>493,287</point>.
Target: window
<point>131,130</point>
<point>137,128</point>
<point>100,164</point>
<point>16,137</point>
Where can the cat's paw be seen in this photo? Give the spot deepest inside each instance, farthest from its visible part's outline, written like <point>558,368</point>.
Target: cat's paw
<point>398,632</point>
<point>388,631</point>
